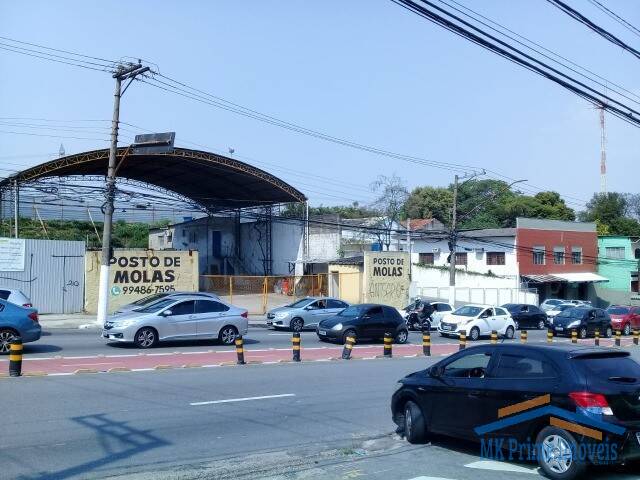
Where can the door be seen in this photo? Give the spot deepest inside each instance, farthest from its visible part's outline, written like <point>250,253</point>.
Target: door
<point>334,288</point>
<point>373,323</point>
<point>537,316</point>
<point>499,320</point>
<point>592,322</point>
<point>182,321</point>
<point>315,312</point>
<point>440,310</point>
<point>602,321</point>
<point>486,321</point>
<point>459,399</point>
<point>210,317</point>
<point>635,318</point>
<point>334,307</point>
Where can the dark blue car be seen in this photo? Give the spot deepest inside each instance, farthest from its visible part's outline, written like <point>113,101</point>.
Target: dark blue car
<point>17,321</point>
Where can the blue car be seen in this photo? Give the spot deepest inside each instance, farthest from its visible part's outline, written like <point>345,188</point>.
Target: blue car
<point>17,321</point>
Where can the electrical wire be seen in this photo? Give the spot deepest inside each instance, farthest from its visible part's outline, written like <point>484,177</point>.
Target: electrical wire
<point>616,17</point>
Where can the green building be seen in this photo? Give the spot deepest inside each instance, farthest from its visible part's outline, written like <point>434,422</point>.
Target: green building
<point>618,259</point>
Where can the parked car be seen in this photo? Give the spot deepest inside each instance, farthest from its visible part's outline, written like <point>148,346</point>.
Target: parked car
<point>304,313</point>
<point>143,302</point>
<point>551,314</point>
<point>467,390</point>
<point>440,309</point>
<point>365,321</point>
<point>579,302</point>
<point>584,320</point>
<point>16,297</point>
<point>178,318</point>
<point>624,318</point>
<point>550,303</point>
<point>477,321</point>
<point>526,316</point>
<point>17,321</point>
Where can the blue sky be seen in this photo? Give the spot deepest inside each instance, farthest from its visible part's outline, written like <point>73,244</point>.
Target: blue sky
<point>366,70</point>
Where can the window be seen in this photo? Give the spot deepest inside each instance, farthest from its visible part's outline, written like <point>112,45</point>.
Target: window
<point>487,313</point>
<point>331,303</point>
<point>4,294</point>
<point>558,255</point>
<point>442,307</point>
<point>169,237</point>
<point>500,311</point>
<point>519,366</point>
<point>461,258</point>
<point>538,255</point>
<point>534,309</point>
<point>576,255</point>
<point>375,312</point>
<point>426,258</point>
<point>637,254</point>
<point>208,306</point>
<point>614,252</point>
<point>495,258</point>
<point>183,308</point>
<point>466,365</point>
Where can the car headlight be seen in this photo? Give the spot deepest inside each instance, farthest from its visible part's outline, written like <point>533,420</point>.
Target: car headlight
<point>574,324</point>
<point>337,326</point>
<point>125,323</point>
<point>281,315</point>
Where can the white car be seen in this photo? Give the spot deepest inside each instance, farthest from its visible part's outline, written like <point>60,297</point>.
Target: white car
<point>440,310</point>
<point>477,321</point>
<point>16,297</point>
<point>178,318</point>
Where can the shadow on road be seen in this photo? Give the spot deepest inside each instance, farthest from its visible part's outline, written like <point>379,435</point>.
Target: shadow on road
<point>118,440</point>
<point>40,348</point>
<point>190,343</point>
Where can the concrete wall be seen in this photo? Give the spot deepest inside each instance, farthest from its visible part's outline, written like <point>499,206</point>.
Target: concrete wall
<point>617,271</point>
<point>135,274</point>
<point>602,296</point>
<point>345,282</point>
<point>435,277</point>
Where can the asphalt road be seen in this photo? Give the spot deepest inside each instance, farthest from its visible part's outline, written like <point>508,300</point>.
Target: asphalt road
<point>75,342</point>
<point>316,420</point>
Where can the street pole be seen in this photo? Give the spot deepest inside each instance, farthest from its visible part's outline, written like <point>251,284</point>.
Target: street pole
<point>16,207</point>
<point>452,245</point>
<point>103,289</point>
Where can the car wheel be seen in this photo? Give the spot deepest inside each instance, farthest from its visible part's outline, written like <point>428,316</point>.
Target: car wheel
<point>414,427</point>
<point>349,333</point>
<point>608,333</point>
<point>541,325</point>
<point>297,324</point>
<point>146,337</point>
<point>402,336</point>
<point>510,332</point>
<point>474,334</point>
<point>557,452</point>
<point>6,337</point>
<point>228,335</point>
<point>627,329</point>
<point>582,333</point>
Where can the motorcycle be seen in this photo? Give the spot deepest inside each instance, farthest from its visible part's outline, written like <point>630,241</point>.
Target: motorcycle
<point>413,319</point>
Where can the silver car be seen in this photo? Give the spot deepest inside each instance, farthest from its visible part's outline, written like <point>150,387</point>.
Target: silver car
<point>143,302</point>
<point>178,318</point>
<point>305,313</point>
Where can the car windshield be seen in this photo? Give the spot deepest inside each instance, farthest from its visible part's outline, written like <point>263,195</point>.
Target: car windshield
<point>572,313</point>
<point>563,307</point>
<point>511,306</point>
<point>352,311</point>
<point>617,310</point>
<point>553,302</point>
<point>157,306</point>
<point>300,303</point>
<point>149,300</point>
<point>468,311</point>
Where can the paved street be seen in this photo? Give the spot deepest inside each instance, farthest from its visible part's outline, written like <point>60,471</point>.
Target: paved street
<point>315,420</point>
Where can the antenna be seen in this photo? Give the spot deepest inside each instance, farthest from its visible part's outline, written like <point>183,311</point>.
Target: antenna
<point>603,153</point>
<point>61,152</point>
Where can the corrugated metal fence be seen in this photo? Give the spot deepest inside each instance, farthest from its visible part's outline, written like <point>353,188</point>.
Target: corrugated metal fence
<point>53,275</point>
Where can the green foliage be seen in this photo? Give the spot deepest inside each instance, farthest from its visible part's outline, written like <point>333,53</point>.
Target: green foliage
<point>609,211</point>
<point>125,235</point>
<point>355,210</point>
<point>429,202</point>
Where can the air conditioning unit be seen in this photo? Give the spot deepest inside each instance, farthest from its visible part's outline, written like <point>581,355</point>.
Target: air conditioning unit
<point>479,250</point>
<point>436,250</point>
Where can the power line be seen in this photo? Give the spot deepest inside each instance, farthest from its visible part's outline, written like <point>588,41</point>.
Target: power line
<point>616,17</point>
<point>576,15</point>
<point>59,50</point>
<point>52,136</point>
<point>43,57</point>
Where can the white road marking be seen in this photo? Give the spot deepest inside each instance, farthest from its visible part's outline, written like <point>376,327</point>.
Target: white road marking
<point>88,364</point>
<point>502,467</point>
<point>429,478</point>
<point>245,399</point>
<point>288,334</point>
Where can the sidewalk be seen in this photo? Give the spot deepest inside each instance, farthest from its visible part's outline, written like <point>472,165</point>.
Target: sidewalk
<point>85,320</point>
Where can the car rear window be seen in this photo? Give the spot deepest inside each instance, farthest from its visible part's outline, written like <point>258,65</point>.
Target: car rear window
<point>612,367</point>
<point>617,310</point>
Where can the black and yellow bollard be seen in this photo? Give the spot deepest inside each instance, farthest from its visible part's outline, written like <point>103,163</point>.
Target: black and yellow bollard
<point>426,340</point>
<point>596,337</point>
<point>618,337</point>
<point>523,336</point>
<point>240,350</point>
<point>463,340</point>
<point>295,340</point>
<point>549,336</point>
<point>388,345</point>
<point>15,357</point>
<point>494,336</point>
<point>574,336</point>
<point>349,342</point>
<point>636,337</point>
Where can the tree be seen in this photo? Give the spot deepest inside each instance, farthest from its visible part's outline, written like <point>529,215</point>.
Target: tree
<point>355,210</point>
<point>429,202</point>
<point>542,205</point>
<point>392,195</point>
<point>611,212</point>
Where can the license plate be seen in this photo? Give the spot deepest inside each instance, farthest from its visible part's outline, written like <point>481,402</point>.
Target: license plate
<point>322,332</point>
<point>446,327</point>
<point>559,328</point>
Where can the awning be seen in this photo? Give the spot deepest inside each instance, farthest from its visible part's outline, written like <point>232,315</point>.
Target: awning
<point>581,277</point>
<point>567,277</point>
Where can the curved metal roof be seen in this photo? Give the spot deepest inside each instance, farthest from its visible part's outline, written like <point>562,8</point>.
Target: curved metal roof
<point>211,180</point>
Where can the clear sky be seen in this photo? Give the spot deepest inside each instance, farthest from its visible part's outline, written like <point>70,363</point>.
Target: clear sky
<point>365,70</point>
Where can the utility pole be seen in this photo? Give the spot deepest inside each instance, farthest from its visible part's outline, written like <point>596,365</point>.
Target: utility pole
<point>603,153</point>
<point>453,234</point>
<point>409,243</point>
<point>122,73</point>
<point>16,207</point>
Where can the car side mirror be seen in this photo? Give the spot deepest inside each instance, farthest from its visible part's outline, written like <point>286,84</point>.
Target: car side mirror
<point>436,371</point>
<point>166,313</point>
